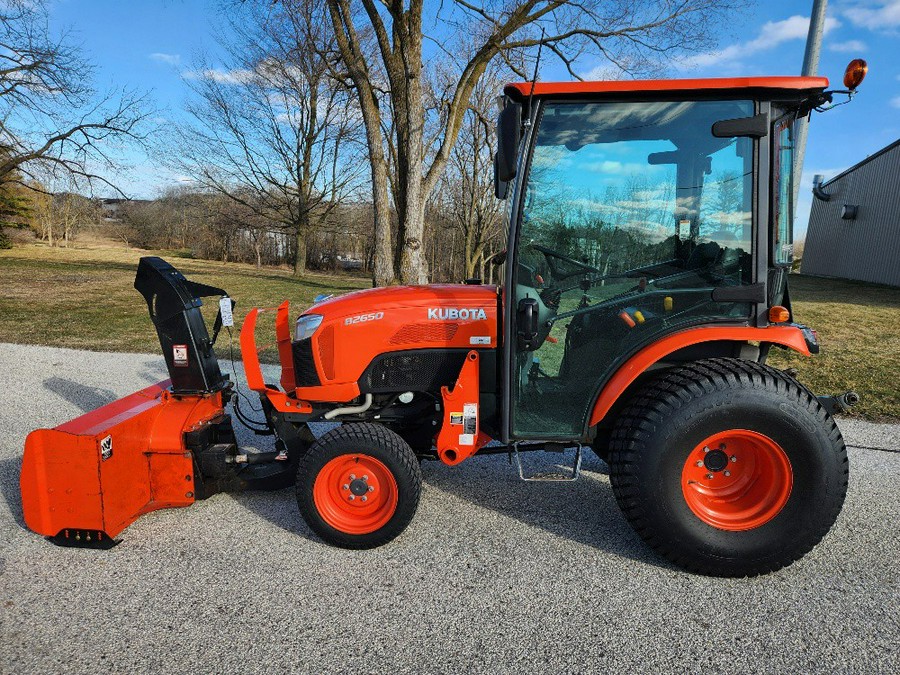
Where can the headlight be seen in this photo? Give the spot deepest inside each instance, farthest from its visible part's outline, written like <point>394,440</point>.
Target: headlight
<point>306,326</point>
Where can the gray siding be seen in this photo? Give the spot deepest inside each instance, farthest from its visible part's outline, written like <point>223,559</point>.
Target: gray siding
<point>867,248</point>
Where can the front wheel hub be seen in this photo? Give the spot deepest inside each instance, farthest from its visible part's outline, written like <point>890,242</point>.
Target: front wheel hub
<point>715,460</point>
<point>751,492</point>
<point>356,493</point>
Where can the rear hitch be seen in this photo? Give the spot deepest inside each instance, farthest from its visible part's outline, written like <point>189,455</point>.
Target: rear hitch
<point>841,403</point>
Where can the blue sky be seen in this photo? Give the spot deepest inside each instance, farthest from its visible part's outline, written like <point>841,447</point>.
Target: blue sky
<point>150,45</point>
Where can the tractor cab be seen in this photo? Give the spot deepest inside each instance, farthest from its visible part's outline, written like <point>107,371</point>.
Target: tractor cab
<point>637,210</point>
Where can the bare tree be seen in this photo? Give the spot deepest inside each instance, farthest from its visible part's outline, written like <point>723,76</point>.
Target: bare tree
<point>52,121</point>
<point>467,184</point>
<point>274,131</point>
<point>469,34</point>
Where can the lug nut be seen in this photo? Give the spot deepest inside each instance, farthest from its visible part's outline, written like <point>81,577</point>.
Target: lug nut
<point>699,462</point>
<point>722,447</point>
<point>352,497</point>
<point>364,498</point>
<point>365,478</point>
<point>345,486</point>
<point>727,472</point>
<point>352,476</point>
<point>371,488</point>
<point>706,449</point>
<point>709,476</point>
<point>733,458</point>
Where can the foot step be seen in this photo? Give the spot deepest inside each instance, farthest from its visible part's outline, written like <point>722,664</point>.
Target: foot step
<point>550,476</point>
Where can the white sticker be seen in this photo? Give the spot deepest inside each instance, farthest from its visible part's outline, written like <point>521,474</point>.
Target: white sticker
<point>225,311</point>
<point>180,355</point>
<point>106,448</point>
<point>470,422</point>
<point>684,229</point>
<point>480,340</point>
<point>467,439</point>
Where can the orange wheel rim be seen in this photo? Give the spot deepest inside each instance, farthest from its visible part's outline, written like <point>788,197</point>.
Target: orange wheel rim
<point>737,480</point>
<point>356,494</point>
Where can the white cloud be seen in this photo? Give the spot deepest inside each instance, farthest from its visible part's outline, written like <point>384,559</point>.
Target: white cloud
<point>895,102</point>
<point>772,34</point>
<point>237,76</point>
<point>850,46</point>
<point>880,15</point>
<point>171,59</point>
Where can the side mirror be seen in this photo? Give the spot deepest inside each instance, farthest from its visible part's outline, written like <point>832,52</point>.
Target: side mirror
<point>509,124</point>
<point>501,187</point>
<point>527,323</point>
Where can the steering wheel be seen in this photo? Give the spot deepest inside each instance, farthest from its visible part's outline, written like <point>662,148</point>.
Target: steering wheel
<point>557,271</point>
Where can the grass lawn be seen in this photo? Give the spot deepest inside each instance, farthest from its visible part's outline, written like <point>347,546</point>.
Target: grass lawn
<point>84,298</point>
<point>859,332</point>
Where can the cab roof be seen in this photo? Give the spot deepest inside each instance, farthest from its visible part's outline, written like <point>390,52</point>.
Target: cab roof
<point>520,90</point>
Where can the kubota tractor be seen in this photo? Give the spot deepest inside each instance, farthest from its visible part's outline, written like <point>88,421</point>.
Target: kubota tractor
<point>646,282</point>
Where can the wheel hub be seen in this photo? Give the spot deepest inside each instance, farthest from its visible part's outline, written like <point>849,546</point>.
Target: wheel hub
<point>737,480</point>
<point>355,493</point>
<point>359,487</point>
<point>715,460</point>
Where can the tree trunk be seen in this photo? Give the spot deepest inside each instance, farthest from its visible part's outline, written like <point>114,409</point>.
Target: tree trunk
<point>300,252</point>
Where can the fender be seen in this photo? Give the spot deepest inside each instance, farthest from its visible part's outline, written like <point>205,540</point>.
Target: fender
<point>789,336</point>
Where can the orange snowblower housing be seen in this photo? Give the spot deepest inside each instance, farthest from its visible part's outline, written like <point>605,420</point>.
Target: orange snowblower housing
<point>645,281</point>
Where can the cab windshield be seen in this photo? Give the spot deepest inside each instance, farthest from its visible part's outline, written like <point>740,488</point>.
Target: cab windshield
<point>632,214</point>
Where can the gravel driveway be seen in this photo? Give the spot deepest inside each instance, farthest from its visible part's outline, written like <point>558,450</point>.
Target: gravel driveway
<point>493,575</point>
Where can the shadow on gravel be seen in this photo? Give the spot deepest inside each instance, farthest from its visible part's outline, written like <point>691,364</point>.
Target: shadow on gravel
<point>279,507</point>
<point>584,511</point>
<point>154,371</point>
<point>83,397</point>
<point>9,487</point>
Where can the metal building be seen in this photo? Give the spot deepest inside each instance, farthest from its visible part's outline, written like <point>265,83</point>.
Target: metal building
<point>854,225</point>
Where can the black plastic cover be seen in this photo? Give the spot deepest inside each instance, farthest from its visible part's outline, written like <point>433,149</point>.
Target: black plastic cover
<point>174,305</point>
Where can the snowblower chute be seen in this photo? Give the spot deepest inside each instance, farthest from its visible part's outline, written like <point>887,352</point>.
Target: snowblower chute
<point>88,479</point>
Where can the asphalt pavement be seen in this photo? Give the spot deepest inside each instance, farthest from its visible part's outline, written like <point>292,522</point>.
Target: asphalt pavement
<point>493,575</point>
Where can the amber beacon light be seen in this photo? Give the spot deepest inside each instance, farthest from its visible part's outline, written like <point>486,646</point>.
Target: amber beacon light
<point>855,73</point>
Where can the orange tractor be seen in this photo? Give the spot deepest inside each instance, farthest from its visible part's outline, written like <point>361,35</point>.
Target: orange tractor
<point>645,284</point>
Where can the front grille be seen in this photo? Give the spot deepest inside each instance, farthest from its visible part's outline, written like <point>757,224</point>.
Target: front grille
<point>414,333</point>
<point>415,370</point>
<point>326,351</point>
<point>304,366</point>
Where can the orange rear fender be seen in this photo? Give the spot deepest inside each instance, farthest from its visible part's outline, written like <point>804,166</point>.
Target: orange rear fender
<point>628,372</point>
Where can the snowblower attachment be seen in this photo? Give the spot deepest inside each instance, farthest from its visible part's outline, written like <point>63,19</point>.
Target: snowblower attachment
<point>85,481</point>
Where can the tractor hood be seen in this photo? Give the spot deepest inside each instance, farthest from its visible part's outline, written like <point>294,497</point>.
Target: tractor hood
<point>435,302</point>
<point>332,353</point>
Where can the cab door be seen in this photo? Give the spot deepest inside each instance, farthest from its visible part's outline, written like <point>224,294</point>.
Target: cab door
<point>631,214</point>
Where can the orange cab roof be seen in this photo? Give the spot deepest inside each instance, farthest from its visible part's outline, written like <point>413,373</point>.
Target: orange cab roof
<point>521,90</point>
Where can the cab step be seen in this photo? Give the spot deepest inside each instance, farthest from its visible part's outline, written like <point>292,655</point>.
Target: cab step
<point>552,476</point>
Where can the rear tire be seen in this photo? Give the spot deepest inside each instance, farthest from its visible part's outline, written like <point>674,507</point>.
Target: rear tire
<point>777,483</point>
<point>358,486</point>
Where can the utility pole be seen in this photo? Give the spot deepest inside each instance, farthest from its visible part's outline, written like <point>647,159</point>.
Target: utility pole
<point>810,67</point>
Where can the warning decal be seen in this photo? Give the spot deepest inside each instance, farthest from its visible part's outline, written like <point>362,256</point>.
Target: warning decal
<point>469,423</point>
<point>456,418</point>
<point>180,355</point>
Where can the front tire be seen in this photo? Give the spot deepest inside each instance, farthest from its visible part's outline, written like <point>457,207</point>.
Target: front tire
<point>358,486</point>
<point>728,467</point>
